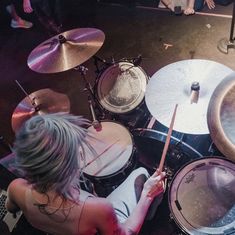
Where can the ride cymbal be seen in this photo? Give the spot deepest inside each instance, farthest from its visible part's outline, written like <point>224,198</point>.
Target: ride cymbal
<point>39,102</point>
<point>221,116</point>
<point>190,84</point>
<point>66,50</point>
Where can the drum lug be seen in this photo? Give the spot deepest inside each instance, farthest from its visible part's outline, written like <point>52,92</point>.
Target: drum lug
<point>171,217</point>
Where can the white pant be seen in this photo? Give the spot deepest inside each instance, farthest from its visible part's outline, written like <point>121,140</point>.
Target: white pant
<point>125,197</point>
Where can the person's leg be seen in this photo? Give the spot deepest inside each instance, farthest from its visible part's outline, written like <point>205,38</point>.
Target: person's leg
<point>44,15</point>
<point>17,21</point>
<point>12,11</point>
<point>125,197</point>
<point>198,5</point>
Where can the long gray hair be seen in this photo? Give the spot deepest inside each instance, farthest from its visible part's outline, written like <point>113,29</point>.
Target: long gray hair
<point>48,148</point>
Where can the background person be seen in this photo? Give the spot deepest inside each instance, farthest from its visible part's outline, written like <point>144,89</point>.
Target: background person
<point>48,12</point>
<point>16,20</point>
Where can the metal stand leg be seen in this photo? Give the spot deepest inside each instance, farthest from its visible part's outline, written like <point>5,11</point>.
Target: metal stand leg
<point>89,89</point>
<point>224,44</point>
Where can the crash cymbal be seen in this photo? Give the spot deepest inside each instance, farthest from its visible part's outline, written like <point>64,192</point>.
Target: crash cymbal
<point>177,83</point>
<point>66,50</point>
<point>39,102</point>
<point>221,116</point>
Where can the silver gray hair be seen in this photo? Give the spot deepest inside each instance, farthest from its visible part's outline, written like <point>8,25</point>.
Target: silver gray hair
<point>48,149</point>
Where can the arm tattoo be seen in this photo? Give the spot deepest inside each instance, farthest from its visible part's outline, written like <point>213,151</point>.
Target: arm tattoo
<point>130,232</point>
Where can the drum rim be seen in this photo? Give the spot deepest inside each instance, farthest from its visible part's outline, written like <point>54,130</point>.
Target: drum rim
<point>123,167</point>
<point>112,108</point>
<point>176,220</point>
<point>172,138</point>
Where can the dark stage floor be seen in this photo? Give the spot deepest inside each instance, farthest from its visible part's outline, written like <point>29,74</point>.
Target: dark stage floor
<point>129,32</point>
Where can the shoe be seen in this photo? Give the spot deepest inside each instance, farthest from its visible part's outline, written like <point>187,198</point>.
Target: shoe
<point>178,11</point>
<point>21,24</point>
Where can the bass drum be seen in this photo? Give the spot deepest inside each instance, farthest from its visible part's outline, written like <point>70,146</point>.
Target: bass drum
<point>202,197</point>
<point>149,147</point>
<point>121,87</point>
<point>114,159</point>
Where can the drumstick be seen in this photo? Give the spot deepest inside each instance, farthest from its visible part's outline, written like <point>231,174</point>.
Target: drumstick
<point>168,138</point>
<point>163,157</point>
<point>110,146</point>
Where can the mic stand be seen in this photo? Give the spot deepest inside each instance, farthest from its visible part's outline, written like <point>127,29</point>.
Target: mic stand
<point>89,89</point>
<point>98,59</point>
<point>224,44</point>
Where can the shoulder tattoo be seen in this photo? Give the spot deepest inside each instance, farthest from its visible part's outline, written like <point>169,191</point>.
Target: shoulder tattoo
<point>130,232</point>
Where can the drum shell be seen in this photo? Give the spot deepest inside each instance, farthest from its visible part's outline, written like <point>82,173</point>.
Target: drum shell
<point>149,145</point>
<point>202,143</point>
<point>196,201</point>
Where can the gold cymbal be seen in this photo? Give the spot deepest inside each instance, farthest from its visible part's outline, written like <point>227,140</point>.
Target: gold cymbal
<point>39,102</point>
<point>173,84</point>
<point>66,50</point>
<point>221,116</point>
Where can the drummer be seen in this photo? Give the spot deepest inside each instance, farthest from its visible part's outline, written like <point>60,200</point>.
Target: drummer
<point>48,148</point>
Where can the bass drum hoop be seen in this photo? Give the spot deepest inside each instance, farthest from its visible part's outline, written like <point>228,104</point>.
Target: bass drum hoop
<point>129,151</point>
<point>179,219</point>
<point>152,134</point>
<point>107,84</point>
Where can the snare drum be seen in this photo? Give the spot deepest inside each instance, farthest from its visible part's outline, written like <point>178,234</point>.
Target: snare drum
<point>114,155</point>
<point>121,87</point>
<point>202,197</point>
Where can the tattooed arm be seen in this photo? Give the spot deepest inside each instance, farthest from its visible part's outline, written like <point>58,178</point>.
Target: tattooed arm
<point>152,188</point>
<point>131,232</point>
<point>106,219</point>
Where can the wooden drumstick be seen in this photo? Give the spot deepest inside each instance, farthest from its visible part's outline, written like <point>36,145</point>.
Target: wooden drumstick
<point>93,160</point>
<point>168,138</point>
<point>163,157</point>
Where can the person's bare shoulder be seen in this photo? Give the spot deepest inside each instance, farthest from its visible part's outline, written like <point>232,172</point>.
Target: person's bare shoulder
<point>18,184</point>
<point>102,216</point>
<point>100,205</point>
<point>17,188</point>
<point>16,192</point>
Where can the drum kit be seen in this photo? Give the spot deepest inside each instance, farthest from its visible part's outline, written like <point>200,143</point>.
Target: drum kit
<point>201,152</point>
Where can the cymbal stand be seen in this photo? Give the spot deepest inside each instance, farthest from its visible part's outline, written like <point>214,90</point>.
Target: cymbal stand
<point>103,61</point>
<point>91,94</point>
<point>32,101</point>
<point>224,44</point>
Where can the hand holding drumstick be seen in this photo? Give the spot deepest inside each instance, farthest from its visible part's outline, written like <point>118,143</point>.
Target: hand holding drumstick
<point>154,185</point>
<point>156,180</point>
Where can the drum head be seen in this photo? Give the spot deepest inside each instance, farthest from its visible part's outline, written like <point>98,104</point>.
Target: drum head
<point>202,197</point>
<point>113,145</point>
<point>121,87</point>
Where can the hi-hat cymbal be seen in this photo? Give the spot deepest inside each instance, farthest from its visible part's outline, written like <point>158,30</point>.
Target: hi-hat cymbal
<point>221,116</point>
<point>66,50</point>
<point>39,102</point>
<point>172,85</point>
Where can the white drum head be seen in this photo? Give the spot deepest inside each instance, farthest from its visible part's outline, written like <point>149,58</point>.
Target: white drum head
<point>202,197</point>
<point>113,145</point>
<point>121,87</point>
